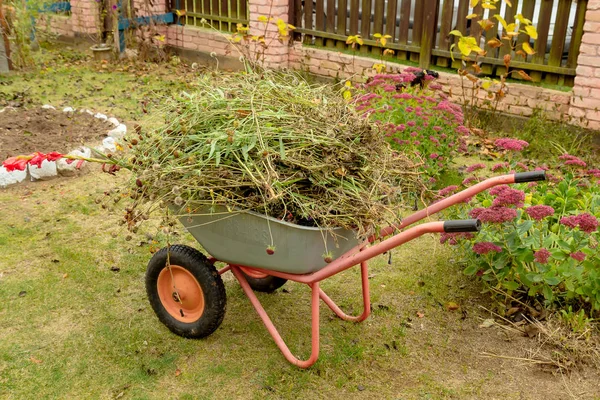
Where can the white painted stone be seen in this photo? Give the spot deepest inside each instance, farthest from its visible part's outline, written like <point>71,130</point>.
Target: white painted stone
<point>48,107</point>
<point>10,178</point>
<point>66,169</point>
<point>48,170</point>
<point>100,116</point>
<point>114,121</point>
<point>68,109</point>
<point>109,144</point>
<point>119,132</point>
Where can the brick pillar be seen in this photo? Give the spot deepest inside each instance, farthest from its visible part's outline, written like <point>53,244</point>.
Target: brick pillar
<point>585,103</point>
<point>276,55</point>
<point>84,17</point>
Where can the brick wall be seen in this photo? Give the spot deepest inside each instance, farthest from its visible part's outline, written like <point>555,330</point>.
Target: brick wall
<point>520,99</point>
<point>585,103</point>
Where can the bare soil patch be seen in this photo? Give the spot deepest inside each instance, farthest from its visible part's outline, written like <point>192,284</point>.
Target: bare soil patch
<point>23,131</point>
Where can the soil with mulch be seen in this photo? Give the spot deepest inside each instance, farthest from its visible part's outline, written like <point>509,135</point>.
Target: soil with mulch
<point>26,130</point>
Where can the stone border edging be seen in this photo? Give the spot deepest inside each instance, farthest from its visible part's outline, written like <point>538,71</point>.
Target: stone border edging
<point>51,169</point>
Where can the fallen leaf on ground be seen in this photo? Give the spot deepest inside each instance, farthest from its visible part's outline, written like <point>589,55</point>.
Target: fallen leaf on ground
<point>420,314</point>
<point>452,306</point>
<point>177,372</point>
<point>35,360</point>
<point>487,323</point>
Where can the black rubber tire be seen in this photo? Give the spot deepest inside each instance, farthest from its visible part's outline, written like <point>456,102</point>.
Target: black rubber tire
<point>210,282</point>
<point>265,285</point>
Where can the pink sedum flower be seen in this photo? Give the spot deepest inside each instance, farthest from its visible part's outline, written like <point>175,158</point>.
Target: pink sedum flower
<point>539,212</point>
<point>578,255</point>
<point>542,256</point>
<point>511,144</point>
<point>494,214</point>
<point>486,247</point>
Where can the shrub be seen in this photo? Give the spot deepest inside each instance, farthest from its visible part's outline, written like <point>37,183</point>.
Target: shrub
<point>415,121</point>
<point>544,243</point>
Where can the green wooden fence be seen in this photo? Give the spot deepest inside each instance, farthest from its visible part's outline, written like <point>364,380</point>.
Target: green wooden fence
<point>419,31</point>
<point>223,15</point>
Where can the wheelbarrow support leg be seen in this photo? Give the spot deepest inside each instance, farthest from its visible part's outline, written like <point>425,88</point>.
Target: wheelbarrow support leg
<point>366,298</point>
<point>271,328</point>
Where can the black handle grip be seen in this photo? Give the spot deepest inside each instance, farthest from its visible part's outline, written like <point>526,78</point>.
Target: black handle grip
<point>530,176</point>
<point>462,225</point>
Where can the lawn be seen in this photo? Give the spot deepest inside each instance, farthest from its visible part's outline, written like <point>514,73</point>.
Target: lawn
<point>75,321</point>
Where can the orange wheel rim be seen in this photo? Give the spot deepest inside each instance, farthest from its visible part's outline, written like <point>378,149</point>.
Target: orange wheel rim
<point>253,273</point>
<point>180,293</point>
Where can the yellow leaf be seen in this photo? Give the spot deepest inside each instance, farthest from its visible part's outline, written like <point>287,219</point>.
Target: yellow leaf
<point>456,32</point>
<point>383,41</point>
<point>511,28</point>
<point>347,95</point>
<point>486,24</point>
<point>471,16</point>
<point>486,84</point>
<point>494,43</point>
<point>387,36</point>
<point>524,75</point>
<point>262,18</point>
<point>377,35</point>
<point>508,3</point>
<point>348,84</point>
<point>474,3</point>
<point>291,27</point>
<point>532,32</point>
<point>527,48</point>
<point>501,20</point>
<point>522,19</point>
<point>359,40</point>
<point>488,6</point>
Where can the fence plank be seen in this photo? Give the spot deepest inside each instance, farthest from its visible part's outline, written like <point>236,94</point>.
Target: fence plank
<point>577,33</point>
<point>224,11</point>
<point>445,28</point>
<point>390,19</point>
<point>476,30</point>
<point>509,17</point>
<point>558,37</point>
<point>543,27</point>
<point>365,23</point>
<point>308,19</point>
<point>461,25</point>
<point>330,21</point>
<point>341,22</point>
<point>320,19</point>
<point>378,22</point>
<point>417,30</point>
<point>527,11</point>
<point>404,26</point>
<point>429,32</point>
<point>491,34</point>
<point>243,13</point>
<point>354,5</point>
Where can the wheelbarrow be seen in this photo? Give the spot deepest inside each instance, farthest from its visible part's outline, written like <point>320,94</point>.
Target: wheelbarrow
<point>187,293</point>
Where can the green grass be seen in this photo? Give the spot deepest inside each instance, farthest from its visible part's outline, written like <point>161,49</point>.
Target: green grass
<point>72,328</point>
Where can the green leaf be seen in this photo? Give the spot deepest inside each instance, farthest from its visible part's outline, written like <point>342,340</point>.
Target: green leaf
<point>471,269</point>
<point>512,285</point>
<point>553,280</point>
<point>524,227</point>
<point>548,294</point>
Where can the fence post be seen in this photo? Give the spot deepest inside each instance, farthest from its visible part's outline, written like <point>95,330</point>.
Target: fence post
<point>429,31</point>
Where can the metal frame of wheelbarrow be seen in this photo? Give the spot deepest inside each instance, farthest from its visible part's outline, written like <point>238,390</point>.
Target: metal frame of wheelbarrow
<point>364,252</point>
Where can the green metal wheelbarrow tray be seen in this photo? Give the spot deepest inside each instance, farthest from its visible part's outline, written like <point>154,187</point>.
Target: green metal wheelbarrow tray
<point>187,293</point>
